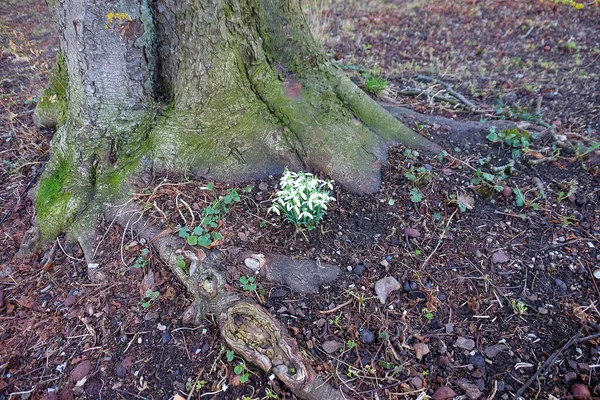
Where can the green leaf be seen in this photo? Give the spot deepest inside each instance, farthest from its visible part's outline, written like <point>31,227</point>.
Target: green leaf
<point>198,230</point>
<point>210,186</point>
<point>183,233</point>
<point>391,202</point>
<point>238,369</point>
<point>230,355</point>
<point>488,177</point>
<point>492,137</point>
<point>192,240</point>
<point>204,240</point>
<point>519,200</point>
<point>415,195</point>
<point>244,280</point>
<point>216,236</point>
<point>180,262</point>
<point>244,378</point>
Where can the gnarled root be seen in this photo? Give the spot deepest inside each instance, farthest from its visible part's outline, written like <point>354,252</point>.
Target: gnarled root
<point>247,328</point>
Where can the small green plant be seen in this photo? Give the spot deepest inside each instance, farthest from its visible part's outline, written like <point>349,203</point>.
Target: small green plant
<point>141,261</point>
<point>181,262</point>
<point>418,175</point>
<point>571,46</point>
<point>415,195</point>
<point>242,371</point>
<point>375,84</point>
<point>303,199</point>
<point>517,139</point>
<point>248,283</point>
<point>518,307</point>
<point>150,297</point>
<point>351,344</point>
<point>573,186</point>
<point>428,313</point>
<point>205,234</point>
<point>336,320</point>
<point>269,394</point>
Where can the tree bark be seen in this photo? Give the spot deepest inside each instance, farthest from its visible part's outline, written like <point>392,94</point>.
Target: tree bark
<point>221,89</point>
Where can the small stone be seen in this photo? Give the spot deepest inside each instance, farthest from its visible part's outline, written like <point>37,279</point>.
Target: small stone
<point>366,336</point>
<point>596,273</point>
<point>500,386</point>
<point>384,263</point>
<point>70,300</point>
<point>412,233</point>
<point>421,349</point>
<point>320,322</point>
<point>499,257</point>
<point>443,393</point>
<point>166,337</point>
<point>263,186</point>
<point>542,310</point>
<point>507,191</point>
<point>471,391</point>
<point>570,376</point>
<point>331,346</point>
<point>561,284</point>
<point>81,371</point>
<point>409,286</point>
<point>449,328</point>
<point>464,343</point>
<point>417,383</point>
<point>385,286</point>
<point>493,350</point>
<point>580,392</point>
<point>358,269</point>
<point>150,316</point>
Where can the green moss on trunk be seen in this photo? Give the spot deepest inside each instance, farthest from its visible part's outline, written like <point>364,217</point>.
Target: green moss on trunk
<point>51,109</point>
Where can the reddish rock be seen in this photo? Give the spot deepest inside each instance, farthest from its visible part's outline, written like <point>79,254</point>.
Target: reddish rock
<point>443,393</point>
<point>580,392</point>
<point>81,371</point>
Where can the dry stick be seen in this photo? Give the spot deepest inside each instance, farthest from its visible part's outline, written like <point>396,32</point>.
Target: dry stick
<point>449,89</point>
<point>548,363</point>
<point>439,240</point>
<point>336,308</point>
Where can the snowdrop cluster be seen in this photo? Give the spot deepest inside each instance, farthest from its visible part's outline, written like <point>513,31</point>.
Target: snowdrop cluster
<point>302,199</point>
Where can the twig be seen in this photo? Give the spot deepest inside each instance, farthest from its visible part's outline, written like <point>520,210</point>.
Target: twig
<point>544,367</point>
<point>439,240</point>
<point>344,304</point>
<point>449,90</point>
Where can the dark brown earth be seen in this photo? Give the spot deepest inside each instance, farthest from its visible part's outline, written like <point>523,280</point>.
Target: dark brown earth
<point>497,278</point>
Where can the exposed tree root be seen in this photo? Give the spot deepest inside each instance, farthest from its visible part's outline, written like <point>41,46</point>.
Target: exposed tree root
<point>248,329</point>
<point>458,128</point>
<point>302,276</point>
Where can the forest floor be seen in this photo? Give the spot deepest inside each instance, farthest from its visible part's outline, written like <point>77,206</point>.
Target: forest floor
<point>495,263</point>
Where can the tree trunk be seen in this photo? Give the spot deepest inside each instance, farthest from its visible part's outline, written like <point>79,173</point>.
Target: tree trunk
<point>222,89</point>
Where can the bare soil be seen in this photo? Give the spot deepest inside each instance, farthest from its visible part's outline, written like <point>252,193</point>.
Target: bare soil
<point>487,295</point>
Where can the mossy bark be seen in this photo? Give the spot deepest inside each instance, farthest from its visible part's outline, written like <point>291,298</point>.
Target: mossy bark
<point>221,89</point>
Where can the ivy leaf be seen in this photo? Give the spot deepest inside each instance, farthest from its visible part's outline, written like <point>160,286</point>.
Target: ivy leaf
<point>192,240</point>
<point>198,231</point>
<point>230,355</point>
<point>238,369</point>
<point>244,378</point>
